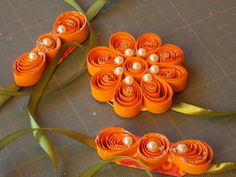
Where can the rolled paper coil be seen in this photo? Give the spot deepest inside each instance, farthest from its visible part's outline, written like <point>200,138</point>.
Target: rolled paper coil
<point>104,84</point>
<point>153,150</point>
<point>128,100</point>
<point>100,58</point>
<point>150,42</point>
<point>121,41</point>
<point>168,54</point>
<point>136,72</point>
<point>175,75</point>
<point>71,26</point>
<point>49,43</point>
<point>192,156</point>
<point>27,69</point>
<point>115,141</point>
<point>157,95</point>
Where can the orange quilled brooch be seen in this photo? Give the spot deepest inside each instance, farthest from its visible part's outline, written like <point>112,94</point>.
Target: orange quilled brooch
<point>137,74</point>
<point>155,151</point>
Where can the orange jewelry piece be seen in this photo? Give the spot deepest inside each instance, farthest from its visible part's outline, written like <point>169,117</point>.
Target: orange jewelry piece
<point>150,73</point>
<point>28,68</point>
<point>68,27</point>
<point>116,142</point>
<point>49,43</point>
<point>71,26</point>
<point>153,150</point>
<point>192,156</point>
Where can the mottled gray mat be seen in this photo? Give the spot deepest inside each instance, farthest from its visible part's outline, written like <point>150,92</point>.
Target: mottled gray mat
<point>205,29</point>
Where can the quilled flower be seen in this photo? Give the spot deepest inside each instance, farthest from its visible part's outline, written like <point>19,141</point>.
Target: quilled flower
<point>153,150</point>
<point>71,26</point>
<point>115,141</point>
<point>150,73</point>
<point>192,156</point>
<point>49,43</point>
<point>28,68</point>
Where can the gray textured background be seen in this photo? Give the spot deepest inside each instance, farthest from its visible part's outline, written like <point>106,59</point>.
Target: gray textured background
<point>205,29</point>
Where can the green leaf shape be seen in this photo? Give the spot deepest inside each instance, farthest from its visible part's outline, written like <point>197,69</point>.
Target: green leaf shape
<point>91,171</point>
<point>95,8</point>
<point>192,110</point>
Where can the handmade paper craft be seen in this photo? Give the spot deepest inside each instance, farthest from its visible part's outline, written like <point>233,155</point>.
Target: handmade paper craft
<point>68,27</point>
<point>155,151</point>
<point>137,74</point>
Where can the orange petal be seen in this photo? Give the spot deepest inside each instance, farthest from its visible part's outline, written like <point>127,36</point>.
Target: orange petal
<point>100,58</point>
<point>110,143</point>
<point>157,95</point>
<point>196,159</point>
<point>75,24</point>
<point>104,84</point>
<point>121,41</point>
<point>149,41</point>
<point>156,157</point>
<point>168,54</point>
<point>26,71</point>
<point>128,100</point>
<point>175,75</point>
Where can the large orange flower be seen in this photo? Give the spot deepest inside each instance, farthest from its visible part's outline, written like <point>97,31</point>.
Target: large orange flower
<point>136,74</point>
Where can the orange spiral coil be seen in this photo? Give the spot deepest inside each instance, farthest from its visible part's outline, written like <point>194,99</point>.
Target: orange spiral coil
<point>121,41</point>
<point>115,141</point>
<point>128,98</point>
<point>192,156</point>
<point>49,43</point>
<point>157,95</point>
<point>104,84</point>
<point>100,58</point>
<point>175,75</point>
<point>167,54</point>
<point>71,26</point>
<point>28,68</point>
<point>153,150</point>
<point>150,42</point>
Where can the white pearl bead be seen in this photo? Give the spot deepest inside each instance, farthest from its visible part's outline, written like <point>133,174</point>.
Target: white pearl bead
<point>47,42</point>
<point>33,55</point>
<point>128,141</point>
<point>61,29</point>
<point>118,71</point>
<point>152,146</point>
<point>118,60</point>
<point>181,148</point>
<point>136,66</point>
<point>129,52</point>
<point>154,69</point>
<point>142,52</point>
<point>129,80</point>
<point>147,77</point>
<point>154,58</point>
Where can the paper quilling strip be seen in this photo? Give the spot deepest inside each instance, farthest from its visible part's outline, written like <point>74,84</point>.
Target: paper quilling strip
<point>155,151</point>
<point>68,27</point>
<point>137,74</point>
